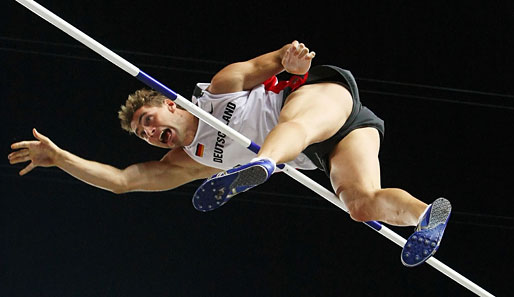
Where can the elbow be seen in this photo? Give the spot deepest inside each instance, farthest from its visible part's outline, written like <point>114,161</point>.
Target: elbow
<point>118,191</point>
<point>121,187</point>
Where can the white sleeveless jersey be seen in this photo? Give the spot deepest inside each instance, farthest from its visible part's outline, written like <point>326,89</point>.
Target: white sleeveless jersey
<point>252,113</point>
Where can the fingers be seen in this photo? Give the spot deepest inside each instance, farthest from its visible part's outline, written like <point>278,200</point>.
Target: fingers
<point>295,48</point>
<point>19,156</point>
<point>23,144</point>
<point>297,58</point>
<point>38,135</point>
<point>26,144</point>
<point>23,151</point>
<point>27,169</point>
<point>295,44</point>
<point>301,51</point>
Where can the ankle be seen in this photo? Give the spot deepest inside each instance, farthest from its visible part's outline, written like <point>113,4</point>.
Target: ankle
<point>264,158</point>
<point>420,218</point>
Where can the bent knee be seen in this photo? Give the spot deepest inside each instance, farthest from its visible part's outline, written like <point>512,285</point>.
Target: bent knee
<point>361,204</point>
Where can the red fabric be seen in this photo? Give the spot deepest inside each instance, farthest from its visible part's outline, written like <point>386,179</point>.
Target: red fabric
<point>270,82</point>
<point>294,82</point>
<point>297,81</point>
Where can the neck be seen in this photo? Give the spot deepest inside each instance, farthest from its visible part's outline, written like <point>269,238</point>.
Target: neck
<point>192,127</point>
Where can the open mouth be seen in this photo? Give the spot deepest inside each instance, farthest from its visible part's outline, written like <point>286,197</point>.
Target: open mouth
<point>165,135</point>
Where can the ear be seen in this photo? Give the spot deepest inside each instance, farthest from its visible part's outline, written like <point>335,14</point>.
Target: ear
<point>172,106</point>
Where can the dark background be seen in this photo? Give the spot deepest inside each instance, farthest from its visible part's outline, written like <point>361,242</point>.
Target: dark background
<point>439,73</point>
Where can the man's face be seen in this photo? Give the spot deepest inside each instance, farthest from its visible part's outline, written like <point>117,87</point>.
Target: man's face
<point>161,126</point>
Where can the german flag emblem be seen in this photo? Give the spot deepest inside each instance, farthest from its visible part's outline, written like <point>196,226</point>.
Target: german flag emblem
<point>199,150</point>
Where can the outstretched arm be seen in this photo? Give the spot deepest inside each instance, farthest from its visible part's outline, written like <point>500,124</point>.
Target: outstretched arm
<point>294,58</point>
<point>175,169</point>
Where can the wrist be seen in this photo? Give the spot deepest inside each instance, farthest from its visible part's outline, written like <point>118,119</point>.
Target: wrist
<point>60,157</point>
<point>282,51</point>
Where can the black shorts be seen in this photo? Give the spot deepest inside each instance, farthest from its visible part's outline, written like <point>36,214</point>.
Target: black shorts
<point>360,116</point>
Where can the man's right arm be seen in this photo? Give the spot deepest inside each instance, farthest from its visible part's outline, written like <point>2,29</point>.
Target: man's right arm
<point>175,169</point>
<point>295,58</point>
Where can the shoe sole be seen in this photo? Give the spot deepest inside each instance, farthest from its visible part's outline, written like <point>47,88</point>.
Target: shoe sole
<point>440,212</point>
<point>424,243</point>
<point>204,199</point>
<point>248,177</point>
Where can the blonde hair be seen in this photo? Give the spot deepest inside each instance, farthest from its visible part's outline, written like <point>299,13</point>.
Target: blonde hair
<point>134,102</point>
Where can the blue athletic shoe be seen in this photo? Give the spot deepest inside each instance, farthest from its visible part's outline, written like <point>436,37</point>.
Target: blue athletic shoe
<point>425,241</point>
<point>218,189</point>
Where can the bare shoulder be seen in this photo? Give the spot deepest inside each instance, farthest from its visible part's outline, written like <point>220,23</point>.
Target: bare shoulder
<point>179,158</point>
<point>228,80</point>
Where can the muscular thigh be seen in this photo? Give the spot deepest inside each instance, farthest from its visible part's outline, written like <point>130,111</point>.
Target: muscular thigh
<point>354,164</point>
<point>321,109</point>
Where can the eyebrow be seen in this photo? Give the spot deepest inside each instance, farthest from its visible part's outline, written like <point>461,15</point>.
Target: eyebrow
<point>139,122</point>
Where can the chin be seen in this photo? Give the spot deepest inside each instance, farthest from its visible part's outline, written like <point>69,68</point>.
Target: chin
<point>161,145</point>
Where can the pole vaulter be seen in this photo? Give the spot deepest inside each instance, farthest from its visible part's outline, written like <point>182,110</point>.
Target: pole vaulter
<point>241,139</point>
